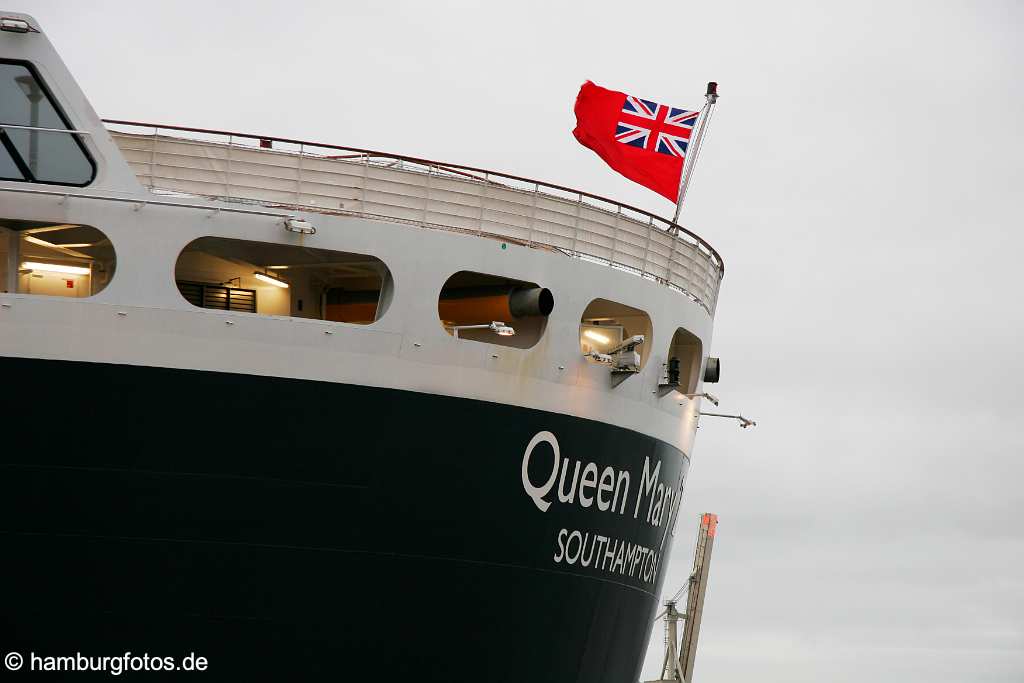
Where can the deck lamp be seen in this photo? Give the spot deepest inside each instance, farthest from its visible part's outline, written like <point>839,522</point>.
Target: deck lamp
<point>497,327</point>
<point>744,422</point>
<point>710,397</point>
<point>299,225</point>
<point>270,279</point>
<point>14,25</point>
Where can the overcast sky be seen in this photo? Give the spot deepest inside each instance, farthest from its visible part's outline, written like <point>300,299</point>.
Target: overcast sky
<point>861,179</point>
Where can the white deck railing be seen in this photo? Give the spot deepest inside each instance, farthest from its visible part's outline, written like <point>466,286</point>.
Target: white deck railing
<point>342,180</point>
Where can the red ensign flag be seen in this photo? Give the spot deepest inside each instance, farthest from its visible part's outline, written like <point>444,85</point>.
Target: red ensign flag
<point>643,140</point>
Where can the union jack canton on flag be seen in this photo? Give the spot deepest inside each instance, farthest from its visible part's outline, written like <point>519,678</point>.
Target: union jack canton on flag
<point>655,127</point>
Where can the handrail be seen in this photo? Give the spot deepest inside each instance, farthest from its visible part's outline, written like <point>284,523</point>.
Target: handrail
<point>146,202</point>
<point>675,228</point>
<point>39,129</point>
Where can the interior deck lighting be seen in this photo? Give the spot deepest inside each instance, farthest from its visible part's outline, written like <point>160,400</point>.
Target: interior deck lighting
<point>596,336</point>
<point>270,279</point>
<point>54,268</point>
<point>51,245</point>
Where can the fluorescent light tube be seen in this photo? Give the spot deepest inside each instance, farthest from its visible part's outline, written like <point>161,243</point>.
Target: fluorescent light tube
<point>263,277</point>
<point>54,268</point>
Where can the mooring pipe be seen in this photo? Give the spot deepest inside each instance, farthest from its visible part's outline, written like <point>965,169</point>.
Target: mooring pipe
<point>473,306</point>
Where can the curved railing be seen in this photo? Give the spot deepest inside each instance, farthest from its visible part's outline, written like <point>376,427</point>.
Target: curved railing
<point>327,178</point>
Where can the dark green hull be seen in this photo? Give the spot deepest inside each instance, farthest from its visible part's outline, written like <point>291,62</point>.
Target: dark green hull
<point>317,531</point>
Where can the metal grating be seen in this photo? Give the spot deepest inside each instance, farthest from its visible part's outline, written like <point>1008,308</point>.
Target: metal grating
<point>218,297</point>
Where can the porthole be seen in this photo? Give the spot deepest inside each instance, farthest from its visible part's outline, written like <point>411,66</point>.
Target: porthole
<point>682,367</point>
<point>54,259</point>
<point>280,279</point>
<point>608,327</point>
<point>497,310</point>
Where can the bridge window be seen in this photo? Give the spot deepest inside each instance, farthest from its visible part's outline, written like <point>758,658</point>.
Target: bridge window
<point>606,325</point>
<point>280,279</point>
<point>683,363</point>
<point>54,259</point>
<point>495,310</point>
<point>35,143</point>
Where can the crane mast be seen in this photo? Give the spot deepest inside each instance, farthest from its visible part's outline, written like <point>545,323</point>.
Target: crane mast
<point>677,664</point>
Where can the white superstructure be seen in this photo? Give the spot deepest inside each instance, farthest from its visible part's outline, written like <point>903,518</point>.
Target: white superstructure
<point>155,193</point>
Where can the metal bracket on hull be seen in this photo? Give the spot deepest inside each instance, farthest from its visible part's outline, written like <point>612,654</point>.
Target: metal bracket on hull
<point>666,389</point>
<point>620,376</point>
<point>744,422</point>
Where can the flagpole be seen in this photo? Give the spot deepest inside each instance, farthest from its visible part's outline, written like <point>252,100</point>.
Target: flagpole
<point>710,97</point>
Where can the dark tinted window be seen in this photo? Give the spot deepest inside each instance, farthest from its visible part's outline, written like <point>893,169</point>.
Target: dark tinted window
<point>44,156</point>
<point>22,100</point>
<point>8,169</point>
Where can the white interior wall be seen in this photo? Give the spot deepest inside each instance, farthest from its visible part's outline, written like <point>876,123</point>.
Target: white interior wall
<point>200,267</point>
<point>302,289</point>
<point>54,284</point>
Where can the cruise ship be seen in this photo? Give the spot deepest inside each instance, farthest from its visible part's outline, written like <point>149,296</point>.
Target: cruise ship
<point>314,412</point>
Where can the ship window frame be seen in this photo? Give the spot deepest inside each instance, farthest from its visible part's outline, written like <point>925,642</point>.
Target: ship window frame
<point>645,349</point>
<point>690,374</point>
<point>11,150</point>
<point>528,328</point>
<point>109,268</point>
<point>301,292</point>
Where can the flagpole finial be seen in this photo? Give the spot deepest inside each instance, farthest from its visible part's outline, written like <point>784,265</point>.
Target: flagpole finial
<point>712,93</point>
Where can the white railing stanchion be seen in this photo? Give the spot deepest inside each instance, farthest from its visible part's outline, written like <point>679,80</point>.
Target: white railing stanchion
<point>483,203</point>
<point>669,273</point>
<point>532,221</point>
<point>298,176</point>
<point>647,246</point>
<point>576,224</point>
<point>364,180</point>
<point>152,158</point>
<point>426,198</point>
<point>615,235</point>
<point>227,173</point>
